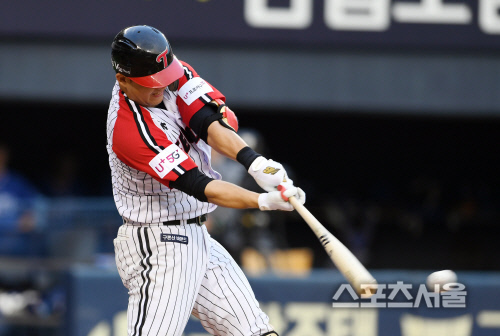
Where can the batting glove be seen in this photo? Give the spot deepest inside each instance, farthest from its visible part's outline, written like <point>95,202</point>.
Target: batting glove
<point>278,200</point>
<point>269,174</point>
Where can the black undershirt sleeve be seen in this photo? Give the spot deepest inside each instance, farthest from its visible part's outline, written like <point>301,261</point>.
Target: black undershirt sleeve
<point>246,156</point>
<point>193,182</point>
<point>203,118</point>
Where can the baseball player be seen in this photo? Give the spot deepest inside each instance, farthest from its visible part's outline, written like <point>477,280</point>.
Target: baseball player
<point>163,120</point>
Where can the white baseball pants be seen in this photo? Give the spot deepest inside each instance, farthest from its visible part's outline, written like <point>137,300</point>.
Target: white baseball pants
<point>174,271</point>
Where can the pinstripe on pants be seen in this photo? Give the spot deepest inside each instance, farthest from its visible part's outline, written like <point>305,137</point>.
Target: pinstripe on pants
<point>167,281</point>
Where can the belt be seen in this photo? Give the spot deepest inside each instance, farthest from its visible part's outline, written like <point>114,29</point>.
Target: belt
<point>198,220</point>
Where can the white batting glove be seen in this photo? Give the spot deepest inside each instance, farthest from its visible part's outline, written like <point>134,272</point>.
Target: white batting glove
<point>278,200</point>
<point>268,174</point>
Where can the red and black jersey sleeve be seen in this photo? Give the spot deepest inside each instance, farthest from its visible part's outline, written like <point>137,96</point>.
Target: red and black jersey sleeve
<point>140,144</point>
<point>199,91</point>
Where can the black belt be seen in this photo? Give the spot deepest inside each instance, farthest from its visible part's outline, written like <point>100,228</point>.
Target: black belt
<point>198,220</point>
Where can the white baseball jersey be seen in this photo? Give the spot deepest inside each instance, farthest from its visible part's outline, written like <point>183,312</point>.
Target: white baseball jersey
<point>142,142</point>
<point>172,271</point>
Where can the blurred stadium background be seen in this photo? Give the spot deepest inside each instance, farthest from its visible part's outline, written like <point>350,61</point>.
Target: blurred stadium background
<point>386,112</point>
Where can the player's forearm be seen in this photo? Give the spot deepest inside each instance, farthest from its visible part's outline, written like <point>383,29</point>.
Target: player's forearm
<point>230,195</point>
<point>224,140</point>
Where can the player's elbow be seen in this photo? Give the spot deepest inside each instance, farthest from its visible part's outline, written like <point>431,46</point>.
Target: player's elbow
<point>193,182</point>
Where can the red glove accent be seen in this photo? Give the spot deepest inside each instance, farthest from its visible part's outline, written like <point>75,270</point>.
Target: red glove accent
<point>282,189</point>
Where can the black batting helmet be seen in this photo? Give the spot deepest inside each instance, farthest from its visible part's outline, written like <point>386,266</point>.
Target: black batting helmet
<point>144,54</point>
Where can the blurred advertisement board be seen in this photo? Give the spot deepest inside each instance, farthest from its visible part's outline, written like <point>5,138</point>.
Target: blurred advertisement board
<point>310,306</point>
<point>473,24</point>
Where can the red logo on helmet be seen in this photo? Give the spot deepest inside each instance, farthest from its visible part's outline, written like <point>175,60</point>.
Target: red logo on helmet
<point>163,56</point>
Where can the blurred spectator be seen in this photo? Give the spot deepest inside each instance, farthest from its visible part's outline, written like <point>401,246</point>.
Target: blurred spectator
<point>356,222</point>
<point>17,217</point>
<point>225,223</point>
<point>235,228</point>
<point>26,291</point>
<point>65,179</point>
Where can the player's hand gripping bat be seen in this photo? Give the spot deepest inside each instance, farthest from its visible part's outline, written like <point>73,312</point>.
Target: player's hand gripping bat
<point>346,262</point>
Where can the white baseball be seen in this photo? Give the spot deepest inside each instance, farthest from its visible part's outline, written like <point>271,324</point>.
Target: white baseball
<point>436,280</point>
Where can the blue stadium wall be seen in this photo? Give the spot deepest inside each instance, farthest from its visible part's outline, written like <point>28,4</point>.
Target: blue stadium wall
<point>305,306</point>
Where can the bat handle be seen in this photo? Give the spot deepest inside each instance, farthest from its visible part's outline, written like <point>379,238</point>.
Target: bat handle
<point>300,208</point>
<point>297,205</point>
<point>293,201</point>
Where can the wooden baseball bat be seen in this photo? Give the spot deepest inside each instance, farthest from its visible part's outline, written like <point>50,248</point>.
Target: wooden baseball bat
<point>346,262</point>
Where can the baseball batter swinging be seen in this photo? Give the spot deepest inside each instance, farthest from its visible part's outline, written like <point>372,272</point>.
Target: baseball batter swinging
<point>163,120</point>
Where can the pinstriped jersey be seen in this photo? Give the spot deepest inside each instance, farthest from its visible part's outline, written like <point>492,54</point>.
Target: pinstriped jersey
<point>150,147</point>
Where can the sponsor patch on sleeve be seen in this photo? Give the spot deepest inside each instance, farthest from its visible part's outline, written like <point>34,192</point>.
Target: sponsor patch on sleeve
<point>167,160</point>
<point>194,89</point>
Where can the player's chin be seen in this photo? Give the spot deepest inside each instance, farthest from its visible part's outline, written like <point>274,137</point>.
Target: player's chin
<point>153,101</point>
